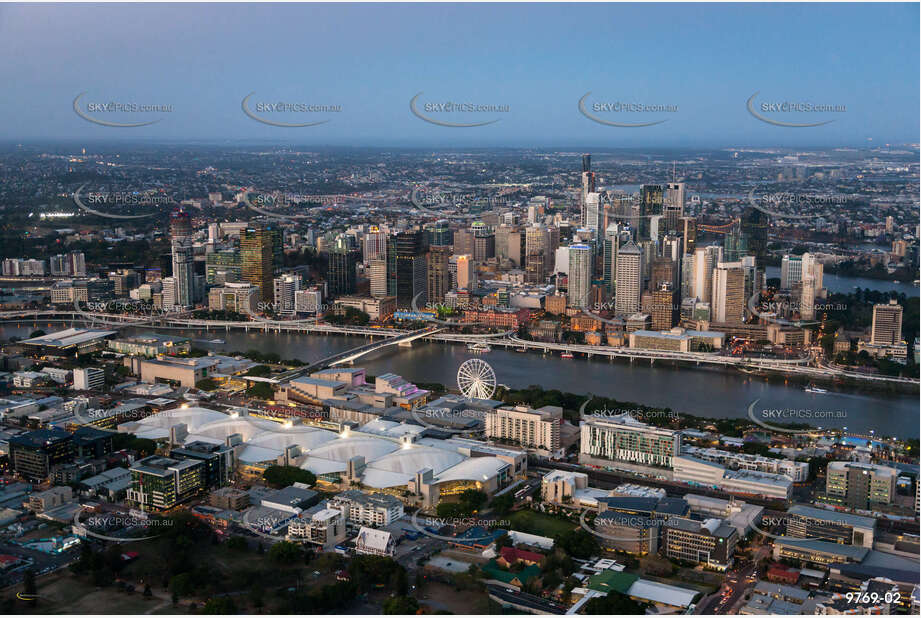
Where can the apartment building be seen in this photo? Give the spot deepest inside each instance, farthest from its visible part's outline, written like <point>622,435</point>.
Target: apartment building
<point>534,429</point>
<point>365,509</point>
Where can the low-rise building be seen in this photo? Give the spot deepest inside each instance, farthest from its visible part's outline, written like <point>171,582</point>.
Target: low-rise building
<point>89,378</point>
<point>860,485</point>
<point>806,522</point>
<point>710,543</point>
<point>324,527</point>
<point>150,345</point>
<point>368,509</point>
<point>374,542</point>
<point>380,309</point>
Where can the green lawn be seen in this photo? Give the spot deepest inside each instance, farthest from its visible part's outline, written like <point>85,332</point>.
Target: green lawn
<point>531,522</point>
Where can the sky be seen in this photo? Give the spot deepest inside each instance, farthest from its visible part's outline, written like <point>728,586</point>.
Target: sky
<point>539,60</point>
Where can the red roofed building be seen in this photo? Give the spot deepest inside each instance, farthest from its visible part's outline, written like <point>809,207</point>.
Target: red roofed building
<point>781,574</point>
<point>510,555</point>
<point>7,561</point>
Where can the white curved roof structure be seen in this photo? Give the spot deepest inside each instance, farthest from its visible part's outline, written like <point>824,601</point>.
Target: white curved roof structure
<point>473,469</point>
<point>391,429</point>
<point>193,417</point>
<point>306,437</point>
<point>411,460</point>
<point>388,462</point>
<point>343,449</point>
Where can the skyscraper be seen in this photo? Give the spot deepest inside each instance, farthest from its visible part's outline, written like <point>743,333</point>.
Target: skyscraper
<point>378,278</point>
<point>484,242</point>
<point>410,265</point>
<point>791,271</point>
<point>342,276</point>
<point>689,234</point>
<point>465,272</point>
<point>735,244</point>
<point>439,279</point>
<point>593,211</point>
<point>180,224</point>
<point>588,186</point>
<point>285,289</point>
<point>664,307</point>
<point>728,296</point>
<point>580,275</point>
<point>755,225</point>
<point>705,261</point>
<point>375,245</point>
<point>612,240</point>
<point>260,246</point>
<point>537,245</point>
<point>183,272</point>
<point>674,205</point>
<point>629,276</point>
<point>652,199</point>
<point>440,234</point>
<point>887,324</point>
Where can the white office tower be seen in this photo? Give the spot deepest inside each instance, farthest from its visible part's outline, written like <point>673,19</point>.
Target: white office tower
<point>807,298</point>
<point>791,271</point>
<point>705,260</point>
<point>375,245</point>
<point>214,232</point>
<point>561,261</point>
<point>629,276</point>
<point>378,277</point>
<point>169,292</point>
<point>308,301</point>
<point>183,271</point>
<point>656,226</point>
<point>728,296</point>
<point>466,272</point>
<point>580,275</point>
<point>593,211</point>
<point>286,287</point>
<point>811,267</point>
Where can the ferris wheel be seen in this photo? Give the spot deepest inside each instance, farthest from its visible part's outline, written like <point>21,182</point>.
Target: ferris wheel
<point>476,379</point>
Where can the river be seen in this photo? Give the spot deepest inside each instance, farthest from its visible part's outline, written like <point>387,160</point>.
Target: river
<point>710,392</point>
<point>846,285</point>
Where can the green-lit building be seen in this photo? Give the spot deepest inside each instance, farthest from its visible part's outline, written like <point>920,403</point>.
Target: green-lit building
<point>223,267</point>
<point>161,483</point>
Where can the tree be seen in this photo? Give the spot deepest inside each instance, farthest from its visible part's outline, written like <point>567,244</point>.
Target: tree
<point>284,552</point>
<point>260,390</point>
<point>400,605</point>
<point>259,371</point>
<point>37,333</point>
<point>503,504</point>
<point>181,585</point>
<point>206,384</point>
<point>283,476</point>
<point>220,605</point>
<point>578,543</point>
<point>614,603</point>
